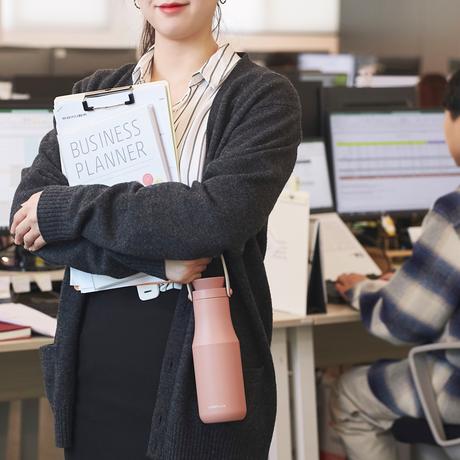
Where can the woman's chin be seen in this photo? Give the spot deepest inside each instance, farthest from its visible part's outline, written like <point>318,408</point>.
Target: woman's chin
<point>174,33</point>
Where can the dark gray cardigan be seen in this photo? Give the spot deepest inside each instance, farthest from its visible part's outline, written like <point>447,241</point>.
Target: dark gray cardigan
<point>252,138</point>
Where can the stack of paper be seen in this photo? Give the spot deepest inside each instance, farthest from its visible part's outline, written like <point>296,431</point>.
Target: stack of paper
<point>22,315</point>
<point>115,136</point>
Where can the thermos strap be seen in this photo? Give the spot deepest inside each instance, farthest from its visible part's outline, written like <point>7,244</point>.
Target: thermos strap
<point>226,276</point>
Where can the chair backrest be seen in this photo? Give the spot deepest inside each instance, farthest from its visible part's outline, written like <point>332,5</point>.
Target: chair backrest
<point>418,360</point>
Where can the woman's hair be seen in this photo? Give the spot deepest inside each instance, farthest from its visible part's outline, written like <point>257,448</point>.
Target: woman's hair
<point>147,38</point>
<point>452,97</point>
<point>148,33</point>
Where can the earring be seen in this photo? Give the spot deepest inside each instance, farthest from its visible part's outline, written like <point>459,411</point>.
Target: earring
<point>222,2</point>
<point>136,5</point>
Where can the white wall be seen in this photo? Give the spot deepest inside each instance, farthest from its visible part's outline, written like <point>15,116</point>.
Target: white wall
<point>120,27</point>
<point>426,28</point>
<point>276,16</point>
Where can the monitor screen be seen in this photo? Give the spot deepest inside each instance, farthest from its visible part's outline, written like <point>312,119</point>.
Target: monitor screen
<point>390,162</point>
<point>329,64</point>
<point>21,131</point>
<point>312,174</point>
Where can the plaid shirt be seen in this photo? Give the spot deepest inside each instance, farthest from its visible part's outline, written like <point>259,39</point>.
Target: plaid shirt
<point>421,304</point>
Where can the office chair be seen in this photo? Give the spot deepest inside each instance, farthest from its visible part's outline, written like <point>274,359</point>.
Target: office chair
<point>431,438</point>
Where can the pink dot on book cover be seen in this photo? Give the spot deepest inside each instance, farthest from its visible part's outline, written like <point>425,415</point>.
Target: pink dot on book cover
<point>147,180</point>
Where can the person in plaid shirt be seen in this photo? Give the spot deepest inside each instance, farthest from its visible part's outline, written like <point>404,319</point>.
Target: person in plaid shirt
<point>419,304</point>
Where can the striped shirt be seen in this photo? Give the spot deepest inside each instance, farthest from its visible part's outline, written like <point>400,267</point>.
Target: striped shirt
<point>191,113</point>
<point>421,304</point>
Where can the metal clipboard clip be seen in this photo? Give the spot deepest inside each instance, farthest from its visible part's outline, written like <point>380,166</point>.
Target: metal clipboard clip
<point>108,98</point>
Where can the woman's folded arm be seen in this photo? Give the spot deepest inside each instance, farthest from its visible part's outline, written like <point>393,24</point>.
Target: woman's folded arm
<point>174,221</point>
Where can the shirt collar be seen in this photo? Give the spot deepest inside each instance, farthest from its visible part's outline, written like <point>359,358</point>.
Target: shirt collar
<point>213,70</point>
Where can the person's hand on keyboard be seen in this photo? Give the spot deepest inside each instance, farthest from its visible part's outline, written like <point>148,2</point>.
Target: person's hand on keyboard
<point>347,282</point>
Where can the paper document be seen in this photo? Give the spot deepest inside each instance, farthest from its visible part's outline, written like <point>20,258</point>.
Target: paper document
<point>114,136</point>
<point>123,148</point>
<point>286,259</point>
<point>16,313</point>
<point>342,252</point>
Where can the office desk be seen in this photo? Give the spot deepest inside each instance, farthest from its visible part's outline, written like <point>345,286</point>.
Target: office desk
<point>21,379</point>
<point>315,341</point>
<point>311,341</point>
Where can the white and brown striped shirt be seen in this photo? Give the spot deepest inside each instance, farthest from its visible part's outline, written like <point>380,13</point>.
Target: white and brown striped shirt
<point>191,113</point>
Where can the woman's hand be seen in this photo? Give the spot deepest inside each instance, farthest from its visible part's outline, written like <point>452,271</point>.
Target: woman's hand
<point>346,282</point>
<point>25,225</point>
<point>185,271</point>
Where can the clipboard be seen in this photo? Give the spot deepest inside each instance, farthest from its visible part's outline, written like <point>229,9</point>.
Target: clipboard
<point>90,119</point>
<point>92,108</point>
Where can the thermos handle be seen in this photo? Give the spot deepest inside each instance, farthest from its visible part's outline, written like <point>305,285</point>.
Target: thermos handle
<point>227,281</point>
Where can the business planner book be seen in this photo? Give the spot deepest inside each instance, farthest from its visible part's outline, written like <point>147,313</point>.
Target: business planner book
<point>115,136</point>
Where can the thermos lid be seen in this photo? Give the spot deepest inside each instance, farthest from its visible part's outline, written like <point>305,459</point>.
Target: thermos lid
<point>209,293</point>
<point>209,283</point>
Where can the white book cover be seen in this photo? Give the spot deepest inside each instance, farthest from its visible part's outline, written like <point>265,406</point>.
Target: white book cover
<point>122,148</point>
<point>70,114</point>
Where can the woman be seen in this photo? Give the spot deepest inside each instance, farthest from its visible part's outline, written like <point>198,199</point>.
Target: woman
<point>237,128</point>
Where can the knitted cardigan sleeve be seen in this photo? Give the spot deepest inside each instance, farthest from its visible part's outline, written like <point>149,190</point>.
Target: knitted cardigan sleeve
<point>174,221</point>
<point>77,252</point>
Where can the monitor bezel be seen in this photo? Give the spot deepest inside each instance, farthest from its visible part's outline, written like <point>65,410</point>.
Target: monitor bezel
<point>371,215</point>
<point>25,105</point>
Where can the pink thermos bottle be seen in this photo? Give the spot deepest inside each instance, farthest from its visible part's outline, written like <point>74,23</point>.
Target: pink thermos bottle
<point>216,354</point>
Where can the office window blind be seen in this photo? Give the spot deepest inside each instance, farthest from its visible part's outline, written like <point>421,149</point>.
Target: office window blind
<point>59,14</point>
<point>278,16</point>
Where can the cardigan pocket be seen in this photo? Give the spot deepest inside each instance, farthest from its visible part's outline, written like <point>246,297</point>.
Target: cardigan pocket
<point>48,364</point>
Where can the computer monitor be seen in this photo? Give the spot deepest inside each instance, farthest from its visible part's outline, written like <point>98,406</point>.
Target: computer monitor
<point>84,61</point>
<point>22,126</point>
<point>310,100</point>
<point>312,174</point>
<point>399,65</point>
<point>24,61</point>
<point>395,162</point>
<point>44,87</point>
<point>329,64</point>
<point>365,99</point>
